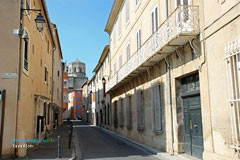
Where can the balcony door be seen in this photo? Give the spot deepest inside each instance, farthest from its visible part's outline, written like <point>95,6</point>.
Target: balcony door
<point>182,2</point>
<point>183,16</point>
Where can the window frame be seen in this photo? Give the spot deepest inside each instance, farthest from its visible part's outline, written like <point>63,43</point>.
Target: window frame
<point>140,111</point>
<point>155,19</point>
<point>157,107</point>
<point>139,38</point>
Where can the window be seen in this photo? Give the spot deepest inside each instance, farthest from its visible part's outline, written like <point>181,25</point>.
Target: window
<point>120,61</point>
<point>45,74</point>
<point>79,92</point>
<point>139,39</point>
<point>232,53</point>
<point>182,2</point>
<point>115,115</point>
<point>45,112</point>
<point>154,19</point>
<point>137,2</point>
<point>127,10</point>
<point>121,120</point>
<point>119,24</point>
<point>79,98</point>
<point>58,73</point>
<point>74,69</point>
<point>79,107</point>
<point>27,6</point>
<point>129,111</point>
<point>48,114</point>
<point>157,114</point>
<point>26,54</point>
<point>140,110</point>
<point>114,36</point>
<point>114,68</point>
<point>128,51</point>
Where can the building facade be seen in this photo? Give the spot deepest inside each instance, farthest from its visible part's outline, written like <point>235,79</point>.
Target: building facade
<point>174,74</point>
<point>65,93</point>
<point>26,69</point>
<point>76,75</point>
<point>102,72</point>
<point>57,75</point>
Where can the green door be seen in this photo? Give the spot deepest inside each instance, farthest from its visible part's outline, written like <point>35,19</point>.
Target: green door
<point>193,136</point>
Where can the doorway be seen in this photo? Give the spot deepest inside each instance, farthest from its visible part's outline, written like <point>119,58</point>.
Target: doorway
<point>193,135</point>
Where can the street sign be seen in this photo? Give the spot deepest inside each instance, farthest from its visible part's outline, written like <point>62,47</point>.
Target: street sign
<point>9,75</point>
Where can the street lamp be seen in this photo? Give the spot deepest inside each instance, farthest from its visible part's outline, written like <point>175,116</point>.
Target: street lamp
<point>40,22</point>
<point>103,80</point>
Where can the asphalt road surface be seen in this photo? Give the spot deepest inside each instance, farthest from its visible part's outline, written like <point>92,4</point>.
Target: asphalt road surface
<point>94,143</point>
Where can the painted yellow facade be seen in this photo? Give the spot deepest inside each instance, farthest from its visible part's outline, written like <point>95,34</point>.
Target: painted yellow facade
<point>29,55</point>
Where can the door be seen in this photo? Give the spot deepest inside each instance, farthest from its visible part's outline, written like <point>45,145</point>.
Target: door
<point>193,136</point>
<point>193,126</point>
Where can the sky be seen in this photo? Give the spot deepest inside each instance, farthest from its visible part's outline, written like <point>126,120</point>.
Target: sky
<point>81,25</point>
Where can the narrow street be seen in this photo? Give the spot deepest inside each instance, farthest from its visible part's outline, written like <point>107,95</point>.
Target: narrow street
<point>97,144</point>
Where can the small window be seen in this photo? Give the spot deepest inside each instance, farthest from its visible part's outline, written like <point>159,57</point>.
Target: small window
<point>137,2</point>
<point>139,38</point>
<point>120,61</point>
<point>79,92</point>
<point>157,108</point>
<point>129,111</point>
<point>127,10</point>
<point>79,107</point>
<point>58,74</point>
<point>114,68</point>
<point>79,98</point>
<point>140,111</point>
<point>26,55</point>
<point>154,19</point>
<point>119,24</point>
<point>114,36</point>
<point>128,51</point>
<point>121,120</point>
<point>45,74</point>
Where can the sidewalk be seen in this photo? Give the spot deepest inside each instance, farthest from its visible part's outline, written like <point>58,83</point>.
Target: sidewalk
<point>49,150</point>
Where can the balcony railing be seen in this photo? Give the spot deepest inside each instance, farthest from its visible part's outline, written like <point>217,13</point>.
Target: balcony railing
<point>177,30</point>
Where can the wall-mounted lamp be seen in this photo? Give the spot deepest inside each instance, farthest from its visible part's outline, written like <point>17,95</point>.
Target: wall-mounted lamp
<point>39,20</point>
<point>103,80</point>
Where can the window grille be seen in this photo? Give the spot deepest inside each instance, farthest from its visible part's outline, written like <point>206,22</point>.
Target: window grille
<point>232,58</point>
<point>121,120</point>
<point>140,110</point>
<point>157,112</point>
<point>129,111</point>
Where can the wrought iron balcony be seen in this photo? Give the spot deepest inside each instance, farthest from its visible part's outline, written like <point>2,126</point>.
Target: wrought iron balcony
<point>180,27</point>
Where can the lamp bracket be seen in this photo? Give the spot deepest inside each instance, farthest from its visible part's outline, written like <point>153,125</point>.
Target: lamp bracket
<point>37,10</point>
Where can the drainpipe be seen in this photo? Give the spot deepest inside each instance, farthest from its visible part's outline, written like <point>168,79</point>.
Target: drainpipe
<point>167,60</point>
<point>54,49</point>
<point>19,72</point>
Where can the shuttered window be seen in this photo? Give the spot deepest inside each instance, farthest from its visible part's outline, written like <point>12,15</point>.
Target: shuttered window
<point>154,19</point>
<point>121,120</point>
<point>129,111</point>
<point>115,115</point>
<point>127,11</point>
<point>140,110</point>
<point>157,109</point>
<point>128,51</point>
<point>139,39</point>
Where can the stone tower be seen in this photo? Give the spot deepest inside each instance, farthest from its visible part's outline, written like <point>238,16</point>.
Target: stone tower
<point>76,75</point>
